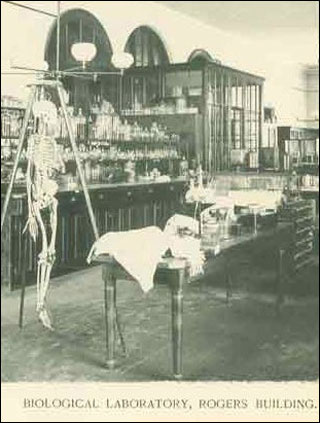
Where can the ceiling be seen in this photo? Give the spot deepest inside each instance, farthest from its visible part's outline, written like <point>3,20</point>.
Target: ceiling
<point>233,16</point>
<point>247,17</point>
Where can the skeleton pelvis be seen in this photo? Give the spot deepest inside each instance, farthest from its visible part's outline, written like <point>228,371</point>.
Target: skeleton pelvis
<point>44,195</point>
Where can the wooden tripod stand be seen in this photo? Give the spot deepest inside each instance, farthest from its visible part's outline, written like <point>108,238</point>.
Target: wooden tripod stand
<point>35,88</point>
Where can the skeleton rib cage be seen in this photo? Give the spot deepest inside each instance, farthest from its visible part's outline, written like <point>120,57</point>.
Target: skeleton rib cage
<point>45,162</point>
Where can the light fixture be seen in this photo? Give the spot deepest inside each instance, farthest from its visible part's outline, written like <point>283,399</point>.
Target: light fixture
<point>83,52</point>
<point>122,60</point>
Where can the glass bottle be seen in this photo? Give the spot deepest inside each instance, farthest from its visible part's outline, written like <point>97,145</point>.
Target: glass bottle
<point>90,128</point>
<point>80,125</point>
<point>6,125</point>
<point>127,131</point>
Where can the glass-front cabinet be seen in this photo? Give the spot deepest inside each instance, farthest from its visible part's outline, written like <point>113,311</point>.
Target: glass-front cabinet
<point>233,108</point>
<point>299,149</point>
<point>215,109</point>
<point>226,101</point>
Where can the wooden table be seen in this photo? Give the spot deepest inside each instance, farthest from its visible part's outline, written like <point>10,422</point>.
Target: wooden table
<point>281,234</point>
<point>281,231</point>
<point>112,271</point>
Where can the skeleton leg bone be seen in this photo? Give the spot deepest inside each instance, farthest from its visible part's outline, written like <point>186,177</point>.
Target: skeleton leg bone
<point>50,258</point>
<point>51,248</point>
<point>44,313</point>
<point>42,272</point>
<point>42,256</point>
<point>53,224</point>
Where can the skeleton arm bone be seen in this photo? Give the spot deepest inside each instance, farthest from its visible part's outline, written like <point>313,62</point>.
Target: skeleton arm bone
<point>31,222</point>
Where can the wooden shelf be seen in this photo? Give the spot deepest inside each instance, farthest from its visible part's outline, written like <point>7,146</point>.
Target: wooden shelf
<point>13,108</point>
<point>133,143</point>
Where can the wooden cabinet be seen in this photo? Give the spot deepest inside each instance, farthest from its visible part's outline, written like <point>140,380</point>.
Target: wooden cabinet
<point>116,208</point>
<point>299,149</point>
<point>302,214</point>
<point>227,106</point>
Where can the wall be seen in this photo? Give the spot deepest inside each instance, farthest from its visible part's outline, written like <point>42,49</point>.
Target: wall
<point>311,74</point>
<point>275,56</point>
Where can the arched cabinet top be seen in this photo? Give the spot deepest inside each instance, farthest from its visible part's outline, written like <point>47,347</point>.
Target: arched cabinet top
<point>78,25</point>
<point>147,47</point>
<point>201,56</point>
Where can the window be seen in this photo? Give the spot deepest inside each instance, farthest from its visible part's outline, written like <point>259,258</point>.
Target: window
<point>184,82</point>
<point>236,129</point>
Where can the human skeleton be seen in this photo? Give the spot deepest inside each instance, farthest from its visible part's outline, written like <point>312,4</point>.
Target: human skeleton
<point>44,162</point>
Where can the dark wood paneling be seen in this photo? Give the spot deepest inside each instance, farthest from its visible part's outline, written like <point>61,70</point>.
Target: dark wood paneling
<point>116,208</point>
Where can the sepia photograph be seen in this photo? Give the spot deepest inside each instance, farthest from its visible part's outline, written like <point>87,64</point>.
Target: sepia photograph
<point>160,210</point>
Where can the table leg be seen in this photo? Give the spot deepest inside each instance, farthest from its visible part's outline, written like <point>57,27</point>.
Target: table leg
<point>228,282</point>
<point>109,298</point>
<point>118,325</point>
<point>177,310</point>
<point>255,224</point>
<point>280,292</point>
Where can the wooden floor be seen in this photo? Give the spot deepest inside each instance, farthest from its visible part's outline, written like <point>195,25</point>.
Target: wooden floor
<point>242,340</point>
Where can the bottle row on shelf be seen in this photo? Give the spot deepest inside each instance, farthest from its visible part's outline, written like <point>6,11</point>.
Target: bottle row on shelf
<point>110,149</point>
<point>127,172</point>
<point>8,101</point>
<point>104,166</point>
<point>310,181</point>
<point>115,154</point>
<point>11,122</point>
<point>97,153</point>
<point>176,101</point>
<point>163,109</point>
<point>104,124</point>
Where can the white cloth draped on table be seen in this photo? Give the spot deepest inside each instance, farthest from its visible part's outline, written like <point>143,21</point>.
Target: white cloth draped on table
<point>138,251</point>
